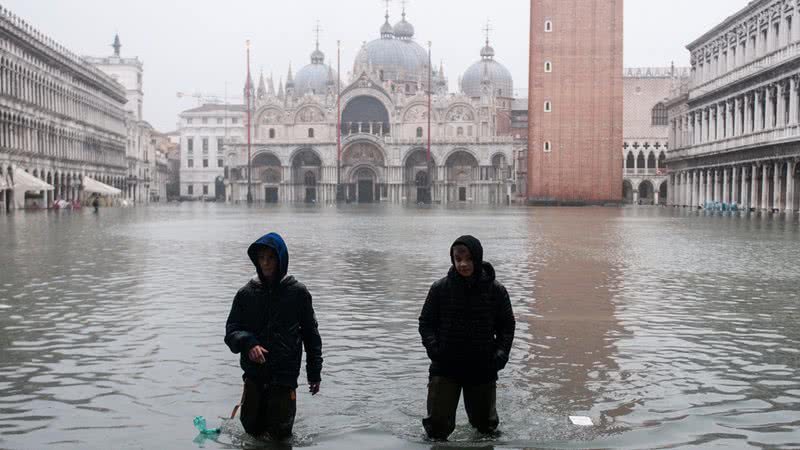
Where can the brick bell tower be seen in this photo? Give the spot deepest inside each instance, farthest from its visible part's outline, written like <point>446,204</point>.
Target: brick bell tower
<point>575,102</point>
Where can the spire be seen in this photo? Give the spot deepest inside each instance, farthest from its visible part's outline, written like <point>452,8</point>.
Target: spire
<point>280,88</point>
<point>317,57</point>
<point>289,78</point>
<point>387,32</point>
<point>262,90</point>
<point>331,77</point>
<point>248,87</point>
<point>271,85</point>
<point>117,46</point>
<point>487,52</point>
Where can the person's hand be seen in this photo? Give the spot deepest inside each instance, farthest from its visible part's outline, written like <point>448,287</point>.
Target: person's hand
<point>313,387</point>
<point>258,354</point>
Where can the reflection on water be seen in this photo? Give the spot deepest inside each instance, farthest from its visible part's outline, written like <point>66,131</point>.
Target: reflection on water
<point>666,328</point>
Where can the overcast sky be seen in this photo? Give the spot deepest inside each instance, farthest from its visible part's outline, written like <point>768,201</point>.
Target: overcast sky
<point>199,45</point>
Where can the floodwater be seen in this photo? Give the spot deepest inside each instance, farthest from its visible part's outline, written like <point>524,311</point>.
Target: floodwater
<point>667,328</point>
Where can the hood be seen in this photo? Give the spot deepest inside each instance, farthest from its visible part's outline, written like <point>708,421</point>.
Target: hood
<point>276,243</point>
<point>485,275</point>
<point>475,250</point>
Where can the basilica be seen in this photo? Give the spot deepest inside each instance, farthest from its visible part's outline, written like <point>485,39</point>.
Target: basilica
<point>365,139</point>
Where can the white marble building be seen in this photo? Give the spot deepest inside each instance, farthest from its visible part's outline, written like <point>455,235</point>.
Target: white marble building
<point>61,119</point>
<point>384,131</point>
<point>735,127</point>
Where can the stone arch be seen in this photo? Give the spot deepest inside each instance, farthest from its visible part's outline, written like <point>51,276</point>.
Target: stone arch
<point>416,112</point>
<point>460,112</point>
<point>627,191</point>
<point>646,192</point>
<point>630,162</point>
<point>640,161</point>
<point>662,193</point>
<point>309,114</point>
<point>651,160</point>
<point>662,160</point>
<point>500,167</point>
<point>306,166</point>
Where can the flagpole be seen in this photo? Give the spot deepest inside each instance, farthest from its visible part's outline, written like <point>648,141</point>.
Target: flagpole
<point>247,93</point>
<point>430,88</point>
<point>338,121</point>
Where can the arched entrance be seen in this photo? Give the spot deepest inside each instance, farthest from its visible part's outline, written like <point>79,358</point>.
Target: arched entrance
<point>646,193</point>
<point>365,114</point>
<point>306,174</point>
<point>461,171</point>
<point>267,170</point>
<point>364,163</point>
<point>627,191</point>
<point>219,188</point>
<point>500,173</point>
<point>366,185</point>
<point>418,179</point>
<point>662,194</point>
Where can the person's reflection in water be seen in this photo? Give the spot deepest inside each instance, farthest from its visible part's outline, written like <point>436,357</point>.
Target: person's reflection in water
<point>574,327</point>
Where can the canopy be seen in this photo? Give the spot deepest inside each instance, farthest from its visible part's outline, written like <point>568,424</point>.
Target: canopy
<point>93,186</point>
<point>25,182</point>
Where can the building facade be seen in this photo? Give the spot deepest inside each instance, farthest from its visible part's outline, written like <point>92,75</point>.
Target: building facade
<point>735,126</point>
<point>575,95</point>
<point>61,119</point>
<point>140,153</point>
<point>384,129</point>
<point>646,132</point>
<point>204,132</point>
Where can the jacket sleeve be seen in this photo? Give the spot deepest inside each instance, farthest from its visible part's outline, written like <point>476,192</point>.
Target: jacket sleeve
<point>238,338</point>
<point>429,324</point>
<point>505,324</point>
<point>311,340</point>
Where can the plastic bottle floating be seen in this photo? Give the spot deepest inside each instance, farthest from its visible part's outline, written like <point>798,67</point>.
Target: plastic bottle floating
<point>200,424</point>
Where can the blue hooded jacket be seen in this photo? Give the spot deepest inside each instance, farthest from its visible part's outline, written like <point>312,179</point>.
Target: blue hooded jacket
<point>278,316</point>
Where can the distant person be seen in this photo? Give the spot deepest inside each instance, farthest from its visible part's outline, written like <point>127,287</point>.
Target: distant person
<point>96,204</point>
<point>272,319</point>
<point>467,327</point>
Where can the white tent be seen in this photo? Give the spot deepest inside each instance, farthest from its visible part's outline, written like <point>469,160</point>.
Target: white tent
<point>90,185</point>
<point>25,182</point>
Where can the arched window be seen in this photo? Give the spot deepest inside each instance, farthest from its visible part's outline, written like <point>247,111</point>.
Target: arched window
<point>548,66</point>
<point>272,133</point>
<point>660,114</point>
<point>547,147</point>
<point>460,131</point>
<point>311,132</point>
<point>548,26</point>
<point>548,106</point>
<point>419,132</point>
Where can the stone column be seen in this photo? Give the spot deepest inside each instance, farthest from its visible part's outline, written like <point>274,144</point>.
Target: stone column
<point>795,25</point>
<point>758,96</point>
<point>754,200</point>
<point>729,121</point>
<point>790,185</point>
<point>725,198</point>
<point>705,183</point>
<point>748,116</point>
<point>776,187</point>
<point>737,120</point>
<point>768,125</point>
<point>781,108</point>
<point>734,186</point>
<point>764,188</point>
<point>718,121</point>
<point>771,40</point>
<point>793,91</point>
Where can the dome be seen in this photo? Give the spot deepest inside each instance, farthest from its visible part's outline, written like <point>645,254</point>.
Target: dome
<point>313,79</point>
<point>397,59</point>
<point>500,77</point>
<point>403,29</point>
<point>386,29</point>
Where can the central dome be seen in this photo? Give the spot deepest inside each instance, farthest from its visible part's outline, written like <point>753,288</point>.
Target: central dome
<point>395,56</point>
<point>315,77</point>
<point>489,70</point>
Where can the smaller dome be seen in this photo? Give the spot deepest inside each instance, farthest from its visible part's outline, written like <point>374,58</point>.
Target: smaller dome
<point>487,51</point>
<point>317,57</point>
<point>403,29</point>
<point>386,29</point>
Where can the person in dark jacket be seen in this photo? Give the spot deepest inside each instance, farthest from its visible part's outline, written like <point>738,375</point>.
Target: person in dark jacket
<point>271,320</point>
<point>467,327</point>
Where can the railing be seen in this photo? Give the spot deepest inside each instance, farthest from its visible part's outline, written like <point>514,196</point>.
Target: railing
<point>755,66</point>
<point>753,139</point>
<point>645,172</point>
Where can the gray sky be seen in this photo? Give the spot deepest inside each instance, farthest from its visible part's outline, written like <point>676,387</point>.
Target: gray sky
<point>198,45</point>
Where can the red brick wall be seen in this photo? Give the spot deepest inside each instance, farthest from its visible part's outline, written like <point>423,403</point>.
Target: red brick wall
<point>585,88</point>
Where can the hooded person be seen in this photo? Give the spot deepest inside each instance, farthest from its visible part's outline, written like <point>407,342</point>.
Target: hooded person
<point>272,319</point>
<point>467,328</point>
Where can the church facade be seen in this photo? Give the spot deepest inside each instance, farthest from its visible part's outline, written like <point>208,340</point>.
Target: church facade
<point>318,138</point>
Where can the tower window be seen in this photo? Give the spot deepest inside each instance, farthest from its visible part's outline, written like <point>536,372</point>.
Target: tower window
<point>272,133</point>
<point>548,107</point>
<point>548,66</point>
<point>548,26</point>
<point>660,116</point>
<point>419,132</point>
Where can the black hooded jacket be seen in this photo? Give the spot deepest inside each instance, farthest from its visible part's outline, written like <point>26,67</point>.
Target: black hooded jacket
<point>279,317</point>
<point>467,325</point>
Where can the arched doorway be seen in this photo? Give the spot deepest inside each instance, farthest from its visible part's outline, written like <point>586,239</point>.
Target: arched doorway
<point>267,171</point>
<point>364,163</point>
<point>365,114</point>
<point>646,193</point>
<point>460,172</point>
<point>662,194</point>
<point>366,185</point>
<point>418,179</point>
<point>219,189</point>
<point>306,174</point>
<point>627,191</point>
<point>630,163</point>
